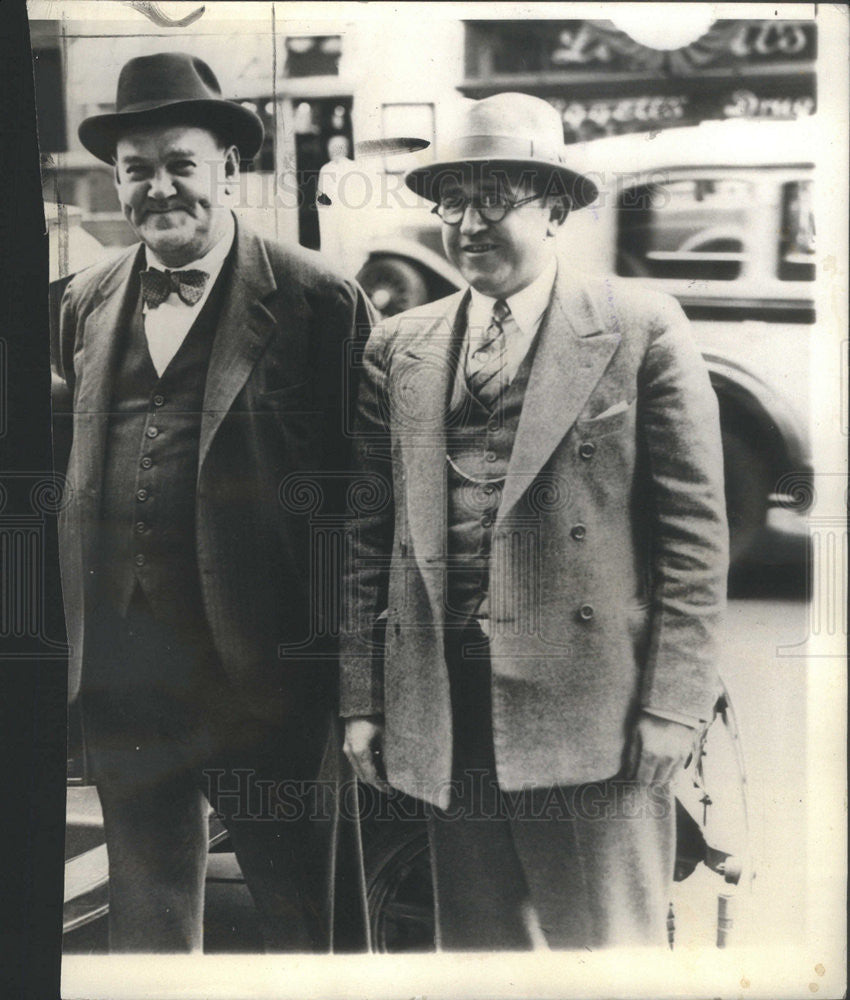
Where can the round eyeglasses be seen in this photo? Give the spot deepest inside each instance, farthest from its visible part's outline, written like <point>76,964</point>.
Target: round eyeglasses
<point>491,207</point>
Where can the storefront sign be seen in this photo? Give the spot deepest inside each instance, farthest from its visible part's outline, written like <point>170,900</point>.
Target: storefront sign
<point>521,47</point>
<point>650,109</point>
<point>746,104</point>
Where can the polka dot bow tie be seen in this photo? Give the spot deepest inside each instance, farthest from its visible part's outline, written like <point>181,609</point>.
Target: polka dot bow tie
<point>158,285</point>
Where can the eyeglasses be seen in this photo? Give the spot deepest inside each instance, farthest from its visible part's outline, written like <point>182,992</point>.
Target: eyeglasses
<point>492,207</point>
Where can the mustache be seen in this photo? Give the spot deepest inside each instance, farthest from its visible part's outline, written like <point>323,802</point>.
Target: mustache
<point>163,209</point>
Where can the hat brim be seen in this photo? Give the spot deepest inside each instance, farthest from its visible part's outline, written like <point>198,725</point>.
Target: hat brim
<point>557,179</point>
<point>231,122</point>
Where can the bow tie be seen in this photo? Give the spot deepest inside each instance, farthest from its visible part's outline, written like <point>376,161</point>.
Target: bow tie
<point>158,285</point>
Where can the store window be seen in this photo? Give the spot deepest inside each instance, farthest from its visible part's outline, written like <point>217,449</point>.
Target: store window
<point>694,228</point>
<point>313,55</point>
<point>797,243</point>
<point>263,160</point>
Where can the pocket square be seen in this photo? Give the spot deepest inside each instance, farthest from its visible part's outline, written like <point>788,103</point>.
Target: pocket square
<point>616,408</point>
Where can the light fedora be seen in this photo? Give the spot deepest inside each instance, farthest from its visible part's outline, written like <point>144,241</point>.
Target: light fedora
<point>506,130</point>
<point>171,88</point>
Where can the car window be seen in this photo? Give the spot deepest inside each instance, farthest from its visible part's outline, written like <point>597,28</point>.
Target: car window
<point>693,228</point>
<point>797,236</point>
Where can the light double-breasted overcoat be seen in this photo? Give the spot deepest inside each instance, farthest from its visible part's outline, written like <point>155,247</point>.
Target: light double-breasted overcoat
<point>609,549</point>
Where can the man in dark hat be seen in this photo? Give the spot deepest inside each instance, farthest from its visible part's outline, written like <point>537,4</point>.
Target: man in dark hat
<point>549,567</point>
<point>207,366</point>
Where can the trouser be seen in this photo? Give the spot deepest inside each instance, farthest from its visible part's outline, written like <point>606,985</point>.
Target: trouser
<point>586,866</point>
<point>165,734</point>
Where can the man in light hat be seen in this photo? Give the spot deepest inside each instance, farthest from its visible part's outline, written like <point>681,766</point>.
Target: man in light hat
<point>207,366</point>
<point>548,561</point>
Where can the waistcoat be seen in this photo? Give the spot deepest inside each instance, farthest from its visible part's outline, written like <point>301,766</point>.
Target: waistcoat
<point>147,535</point>
<point>479,445</point>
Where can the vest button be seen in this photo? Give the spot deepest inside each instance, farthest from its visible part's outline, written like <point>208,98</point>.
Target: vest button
<point>159,399</point>
<point>491,456</point>
<point>141,495</point>
<point>489,489</point>
<point>587,450</point>
<point>146,462</point>
<point>585,612</point>
<point>151,432</point>
<point>578,532</point>
<point>493,424</point>
<point>139,560</point>
<point>140,527</point>
<point>486,521</point>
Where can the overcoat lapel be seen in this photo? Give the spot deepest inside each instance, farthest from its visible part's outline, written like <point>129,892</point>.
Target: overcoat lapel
<point>102,338</point>
<point>421,388</point>
<point>243,328</point>
<point>573,351</point>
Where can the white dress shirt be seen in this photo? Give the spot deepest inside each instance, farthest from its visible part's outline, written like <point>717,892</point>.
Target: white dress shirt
<point>527,307</point>
<point>167,325</point>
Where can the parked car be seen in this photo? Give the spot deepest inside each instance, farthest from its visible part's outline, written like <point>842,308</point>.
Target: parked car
<point>719,215</point>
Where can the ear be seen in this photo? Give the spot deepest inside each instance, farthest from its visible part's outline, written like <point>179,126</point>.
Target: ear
<point>231,165</point>
<point>231,168</point>
<point>559,210</point>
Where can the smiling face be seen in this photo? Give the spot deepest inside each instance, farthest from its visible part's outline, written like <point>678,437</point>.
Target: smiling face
<point>172,182</point>
<point>501,258</point>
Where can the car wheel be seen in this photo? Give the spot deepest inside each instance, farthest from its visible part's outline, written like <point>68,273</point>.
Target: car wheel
<point>748,483</point>
<point>393,285</point>
<point>400,893</point>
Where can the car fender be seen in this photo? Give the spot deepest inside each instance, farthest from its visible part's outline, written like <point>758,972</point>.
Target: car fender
<point>413,251</point>
<point>772,414</point>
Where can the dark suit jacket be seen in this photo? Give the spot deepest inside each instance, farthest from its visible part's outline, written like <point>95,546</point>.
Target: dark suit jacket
<point>273,423</point>
<point>609,550</point>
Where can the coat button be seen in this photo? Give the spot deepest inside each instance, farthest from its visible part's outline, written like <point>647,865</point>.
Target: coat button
<point>587,449</point>
<point>578,532</point>
<point>139,560</point>
<point>146,462</point>
<point>141,495</point>
<point>486,521</point>
<point>585,612</point>
<point>140,527</point>
<point>493,424</point>
<point>491,456</point>
<point>159,399</point>
<point>151,432</point>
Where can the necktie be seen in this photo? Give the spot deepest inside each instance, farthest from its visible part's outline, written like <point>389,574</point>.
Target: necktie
<point>158,285</point>
<point>486,374</point>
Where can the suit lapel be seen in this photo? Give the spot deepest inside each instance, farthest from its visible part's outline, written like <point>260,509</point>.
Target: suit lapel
<point>422,381</point>
<point>243,328</point>
<point>573,350</point>
<point>104,326</point>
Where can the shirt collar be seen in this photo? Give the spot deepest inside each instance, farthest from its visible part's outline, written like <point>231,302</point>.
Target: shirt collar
<point>211,262</point>
<point>527,305</point>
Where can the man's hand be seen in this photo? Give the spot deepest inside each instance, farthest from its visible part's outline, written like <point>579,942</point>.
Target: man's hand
<point>364,748</point>
<point>658,748</point>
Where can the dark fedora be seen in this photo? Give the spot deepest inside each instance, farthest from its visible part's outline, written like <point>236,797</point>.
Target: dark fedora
<point>516,131</point>
<point>171,88</point>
